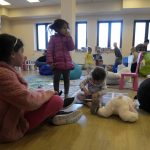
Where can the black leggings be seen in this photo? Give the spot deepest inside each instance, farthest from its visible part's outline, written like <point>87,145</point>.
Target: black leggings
<point>133,67</point>
<point>66,78</point>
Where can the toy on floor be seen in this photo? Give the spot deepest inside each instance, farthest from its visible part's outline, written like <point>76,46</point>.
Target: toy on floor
<point>123,106</point>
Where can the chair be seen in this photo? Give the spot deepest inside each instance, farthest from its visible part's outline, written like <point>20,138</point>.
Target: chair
<point>134,76</point>
<point>30,64</point>
<point>24,67</point>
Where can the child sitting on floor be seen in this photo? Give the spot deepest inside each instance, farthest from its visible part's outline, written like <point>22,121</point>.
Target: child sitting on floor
<point>95,83</point>
<point>22,110</point>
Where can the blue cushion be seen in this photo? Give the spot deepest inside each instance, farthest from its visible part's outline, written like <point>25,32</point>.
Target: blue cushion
<point>75,73</point>
<point>45,70</point>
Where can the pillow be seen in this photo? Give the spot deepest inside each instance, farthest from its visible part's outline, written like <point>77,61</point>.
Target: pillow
<point>112,78</point>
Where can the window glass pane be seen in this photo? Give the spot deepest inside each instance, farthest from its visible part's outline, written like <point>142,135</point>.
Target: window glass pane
<point>81,36</point>
<point>41,37</point>
<point>148,47</point>
<point>139,33</point>
<point>103,35</point>
<point>115,33</point>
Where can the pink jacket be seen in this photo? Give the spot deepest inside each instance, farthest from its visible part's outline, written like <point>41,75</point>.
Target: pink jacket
<point>58,52</point>
<point>15,100</point>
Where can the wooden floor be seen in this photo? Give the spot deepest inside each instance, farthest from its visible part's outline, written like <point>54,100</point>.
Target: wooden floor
<point>89,133</point>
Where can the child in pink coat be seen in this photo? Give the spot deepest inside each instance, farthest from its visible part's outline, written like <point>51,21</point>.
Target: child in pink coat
<point>58,54</point>
<point>22,110</point>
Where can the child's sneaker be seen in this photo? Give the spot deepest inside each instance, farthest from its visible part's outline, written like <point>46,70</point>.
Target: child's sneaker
<point>63,118</point>
<point>68,102</point>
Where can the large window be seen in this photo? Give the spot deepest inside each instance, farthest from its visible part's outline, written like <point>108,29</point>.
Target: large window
<point>43,34</point>
<point>81,35</point>
<point>108,33</point>
<point>141,32</point>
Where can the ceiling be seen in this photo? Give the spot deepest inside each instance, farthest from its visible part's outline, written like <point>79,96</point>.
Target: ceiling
<point>24,3</point>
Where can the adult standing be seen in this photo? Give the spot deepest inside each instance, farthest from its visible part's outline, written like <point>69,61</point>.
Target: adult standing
<point>135,51</point>
<point>118,59</point>
<point>142,47</point>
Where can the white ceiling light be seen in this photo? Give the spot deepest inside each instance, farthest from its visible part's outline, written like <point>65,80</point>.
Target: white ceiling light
<point>33,1</point>
<point>2,2</point>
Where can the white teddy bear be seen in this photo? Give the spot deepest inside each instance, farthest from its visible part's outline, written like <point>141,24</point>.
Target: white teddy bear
<point>123,106</point>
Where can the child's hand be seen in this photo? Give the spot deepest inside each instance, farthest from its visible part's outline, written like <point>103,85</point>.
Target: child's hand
<point>86,92</point>
<point>95,95</point>
<point>52,65</point>
<point>67,34</point>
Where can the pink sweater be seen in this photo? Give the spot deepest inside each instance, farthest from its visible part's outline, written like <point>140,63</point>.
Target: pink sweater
<point>15,100</point>
<point>58,52</point>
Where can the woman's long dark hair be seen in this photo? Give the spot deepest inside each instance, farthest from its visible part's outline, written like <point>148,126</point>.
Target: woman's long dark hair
<point>8,44</point>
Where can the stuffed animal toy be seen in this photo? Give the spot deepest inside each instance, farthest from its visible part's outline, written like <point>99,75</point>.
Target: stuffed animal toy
<point>123,106</point>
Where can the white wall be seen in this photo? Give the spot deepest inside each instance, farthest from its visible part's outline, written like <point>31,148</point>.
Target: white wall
<point>25,29</point>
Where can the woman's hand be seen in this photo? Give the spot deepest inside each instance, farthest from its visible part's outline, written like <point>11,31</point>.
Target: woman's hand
<point>52,66</point>
<point>51,93</point>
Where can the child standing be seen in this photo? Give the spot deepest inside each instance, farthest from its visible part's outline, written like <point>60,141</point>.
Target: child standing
<point>89,61</point>
<point>92,86</point>
<point>58,54</point>
<point>22,110</point>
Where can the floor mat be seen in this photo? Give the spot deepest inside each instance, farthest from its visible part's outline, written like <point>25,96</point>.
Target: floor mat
<point>46,82</point>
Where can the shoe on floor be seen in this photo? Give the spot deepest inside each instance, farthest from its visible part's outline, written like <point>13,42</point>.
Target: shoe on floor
<point>68,102</point>
<point>63,118</point>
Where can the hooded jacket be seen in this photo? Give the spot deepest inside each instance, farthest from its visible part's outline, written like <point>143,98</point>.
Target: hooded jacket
<point>15,100</point>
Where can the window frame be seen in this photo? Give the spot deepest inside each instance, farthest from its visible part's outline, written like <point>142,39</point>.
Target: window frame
<point>146,29</point>
<point>46,35</point>
<point>109,31</point>
<point>76,33</point>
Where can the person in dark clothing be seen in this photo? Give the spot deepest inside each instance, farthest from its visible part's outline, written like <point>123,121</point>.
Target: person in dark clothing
<point>118,59</point>
<point>135,57</point>
<point>142,47</point>
<point>135,51</point>
<point>41,60</point>
<point>143,95</point>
